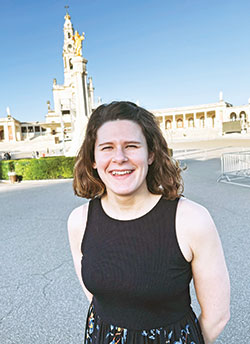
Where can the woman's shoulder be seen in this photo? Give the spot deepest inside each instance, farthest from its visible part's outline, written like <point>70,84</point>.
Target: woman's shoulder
<point>194,227</point>
<point>188,206</point>
<point>77,219</point>
<point>194,218</point>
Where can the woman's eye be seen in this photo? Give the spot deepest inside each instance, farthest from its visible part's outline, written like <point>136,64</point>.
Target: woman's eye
<point>106,148</point>
<point>131,146</point>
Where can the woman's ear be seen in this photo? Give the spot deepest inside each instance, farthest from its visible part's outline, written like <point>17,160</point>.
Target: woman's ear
<point>151,158</point>
<point>94,165</point>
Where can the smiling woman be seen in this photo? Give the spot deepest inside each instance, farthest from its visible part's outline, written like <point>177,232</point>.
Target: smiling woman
<point>138,242</point>
<point>122,158</point>
<point>163,175</point>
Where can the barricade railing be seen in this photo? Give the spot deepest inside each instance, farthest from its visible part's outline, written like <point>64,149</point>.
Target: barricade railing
<point>235,166</point>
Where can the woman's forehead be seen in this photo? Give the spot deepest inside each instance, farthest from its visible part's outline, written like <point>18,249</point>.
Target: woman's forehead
<point>125,129</point>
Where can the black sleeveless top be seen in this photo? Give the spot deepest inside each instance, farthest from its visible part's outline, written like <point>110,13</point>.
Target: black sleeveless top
<point>134,268</point>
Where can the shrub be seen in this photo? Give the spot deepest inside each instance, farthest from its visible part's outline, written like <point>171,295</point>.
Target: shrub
<point>43,168</point>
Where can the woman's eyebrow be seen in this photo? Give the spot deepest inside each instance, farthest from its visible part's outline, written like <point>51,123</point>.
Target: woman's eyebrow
<point>136,142</point>
<point>126,142</point>
<point>105,143</point>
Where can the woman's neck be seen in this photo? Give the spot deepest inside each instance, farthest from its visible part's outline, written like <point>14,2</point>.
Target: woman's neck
<point>130,206</point>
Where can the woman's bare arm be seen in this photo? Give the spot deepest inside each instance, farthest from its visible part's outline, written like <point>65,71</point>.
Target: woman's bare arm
<point>76,227</point>
<point>209,269</point>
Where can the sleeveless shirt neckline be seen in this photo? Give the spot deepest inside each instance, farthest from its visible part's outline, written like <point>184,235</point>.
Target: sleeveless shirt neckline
<point>130,220</point>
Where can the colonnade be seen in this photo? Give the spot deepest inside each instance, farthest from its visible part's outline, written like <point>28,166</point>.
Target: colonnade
<point>204,119</point>
<point>9,131</point>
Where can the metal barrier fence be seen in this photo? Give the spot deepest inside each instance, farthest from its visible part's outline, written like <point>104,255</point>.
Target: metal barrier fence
<point>235,166</point>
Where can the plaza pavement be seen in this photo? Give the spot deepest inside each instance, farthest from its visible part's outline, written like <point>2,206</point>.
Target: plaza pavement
<point>41,298</point>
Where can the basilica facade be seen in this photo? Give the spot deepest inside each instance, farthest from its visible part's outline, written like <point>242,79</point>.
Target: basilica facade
<point>73,102</point>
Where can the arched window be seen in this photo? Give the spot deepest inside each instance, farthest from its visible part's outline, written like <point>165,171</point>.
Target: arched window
<point>179,123</point>
<point>202,122</point>
<point>233,116</point>
<point>168,124</point>
<point>1,134</point>
<point>70,64</point>
<point>191,122</point>
<point>243,116</point>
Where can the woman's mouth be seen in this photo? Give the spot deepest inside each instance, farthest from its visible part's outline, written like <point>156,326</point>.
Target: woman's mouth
<point>121,173</point>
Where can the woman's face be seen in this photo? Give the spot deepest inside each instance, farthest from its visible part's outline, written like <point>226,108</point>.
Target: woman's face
<point>122,158</point>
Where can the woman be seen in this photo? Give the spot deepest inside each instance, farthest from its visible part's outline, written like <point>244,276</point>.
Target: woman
<point>138,243</point>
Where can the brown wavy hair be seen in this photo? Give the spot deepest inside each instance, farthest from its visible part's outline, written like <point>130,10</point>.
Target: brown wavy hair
<point>164,174</point>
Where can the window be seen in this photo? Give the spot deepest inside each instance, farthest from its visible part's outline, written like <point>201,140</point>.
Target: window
<point>179,123</point>
<point>202,122</point>
<point>233,116</point>
<point>65,112</point>
<point>168,124</point>
<point>70,64</point>
<point>24,129</point>
<point>243,116</point>
<point>37,129</point>
<point>30,129</point>
<point>190,122</point>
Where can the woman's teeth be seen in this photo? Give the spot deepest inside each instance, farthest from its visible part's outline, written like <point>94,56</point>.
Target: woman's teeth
<point>120,173</point>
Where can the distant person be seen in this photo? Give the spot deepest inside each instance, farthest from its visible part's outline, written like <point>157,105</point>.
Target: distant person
<point>138,242</point>
<point>7,156</point>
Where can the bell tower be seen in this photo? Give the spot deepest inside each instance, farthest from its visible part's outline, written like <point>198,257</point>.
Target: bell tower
<point>68,49</point>
<point>74,100</point>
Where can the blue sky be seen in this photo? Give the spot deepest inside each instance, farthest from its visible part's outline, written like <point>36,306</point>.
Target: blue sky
<point>164,53</point>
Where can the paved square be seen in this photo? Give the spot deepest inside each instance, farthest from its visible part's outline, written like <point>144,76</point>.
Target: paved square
<point>41,298</point>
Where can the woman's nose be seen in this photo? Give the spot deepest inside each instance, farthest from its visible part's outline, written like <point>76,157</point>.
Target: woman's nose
<point>119,156</point>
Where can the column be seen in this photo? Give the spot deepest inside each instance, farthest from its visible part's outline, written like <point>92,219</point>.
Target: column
<point>174,124</point>
<point>163,124</point>
<point>6,132</point>
<point>79,67</point>
<point>81,99</point>
<point>91,93</point>
<point>216,120</point>
<point>196,121</point>
<point>85,92</point>
<point>185,122</point>
<point>14,131</point>
<point>207,121</point>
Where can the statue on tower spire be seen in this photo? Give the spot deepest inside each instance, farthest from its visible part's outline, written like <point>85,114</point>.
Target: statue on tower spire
<point>78,41</point>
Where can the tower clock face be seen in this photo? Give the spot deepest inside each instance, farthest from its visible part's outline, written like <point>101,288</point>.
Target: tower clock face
<point>70,47</point>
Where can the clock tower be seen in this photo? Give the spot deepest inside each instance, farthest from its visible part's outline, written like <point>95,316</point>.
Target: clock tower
<point>68,50</point>
<point>74,100</point>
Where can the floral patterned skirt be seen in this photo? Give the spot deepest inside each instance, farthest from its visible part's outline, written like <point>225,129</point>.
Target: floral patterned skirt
<point>186,331</point>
